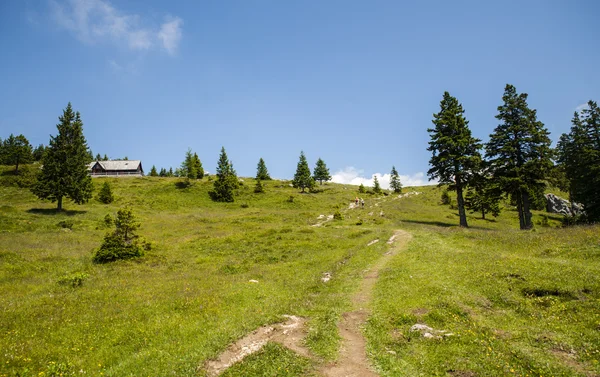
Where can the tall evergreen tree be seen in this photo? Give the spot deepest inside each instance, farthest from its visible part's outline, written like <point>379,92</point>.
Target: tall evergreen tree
<point>105,158</point>
<point>483,196</point>
<point>65,164</point>
<point>395,183</point>
<point>187,166</point>
<point>321,173</point>
<point>579,155</point>
<point>98,157</point>
<point>376,185</point>
<point>170,173</point>
<point>261,171</point>
<point>153,172</point>
<point>455,152</point>
<point>226,182</point>
<point>17,150</point>
<point>163,172</point>
<point>198,167</point>
<point>302,178</point>
<point>519,152</point>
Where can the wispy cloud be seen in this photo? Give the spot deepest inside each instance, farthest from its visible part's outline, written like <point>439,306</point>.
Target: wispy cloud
<point>581,107</point>
<point>95,21</point>
<point>353,176</point>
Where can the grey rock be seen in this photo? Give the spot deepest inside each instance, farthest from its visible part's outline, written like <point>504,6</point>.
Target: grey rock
<point>556,204</point>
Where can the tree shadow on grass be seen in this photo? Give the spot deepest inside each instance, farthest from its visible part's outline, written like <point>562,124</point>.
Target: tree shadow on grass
<point>443,225</point>
<point>53,211</point>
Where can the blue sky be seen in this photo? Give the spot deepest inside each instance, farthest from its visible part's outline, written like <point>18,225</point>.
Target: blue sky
<point>352,82</point>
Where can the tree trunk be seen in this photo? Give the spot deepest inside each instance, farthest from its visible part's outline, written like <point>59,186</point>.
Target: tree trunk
<point>461,205</point>
<point>527,211</point>
<point>520,210</point>
<point>483,214</point>
<point>59,207</point>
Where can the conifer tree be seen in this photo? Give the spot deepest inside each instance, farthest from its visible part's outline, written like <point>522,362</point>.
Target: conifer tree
<point>483,196</point>
<point>16,150</point>
<point>395,183</point>
<point>123,242</point>
<point>302,178</point>
<point>65,163</point>
<point>98,157</point>
<point>321,172</point>
<point>455,152</point>
<point>105,158</point>
<point>153,172</point>
<point>38,152</point>
<point>376,185</point>
<point>259,188</point>
<point>163,172</point>
<point>170,174</point>
<point>261,171</point>
<point>198,167</point>
<point>579,156</point>
<point>518,152</point>
<point>361,189</point>
<point>226,182</point>
<point>187,166</point>
<point>105,195</point>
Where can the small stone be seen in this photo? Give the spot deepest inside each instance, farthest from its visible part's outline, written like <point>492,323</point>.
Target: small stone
<point>252,281</point>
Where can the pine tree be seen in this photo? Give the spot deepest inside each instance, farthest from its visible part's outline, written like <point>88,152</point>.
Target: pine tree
<point>395,183</point>
<point>153,172</point>
<point>579,156</point>
<point>105,195</point>
<point>519,152</point>
<point>321,172</point>
<point>483,196</point>
<point>198,166</point>
<point>187,166</point>
<point>455,152</point>
<point>98,157</point>
<point>361,189</point>
<point>376,186</point>
<point>38,152</point>
<point>226,182</point>
<point>163,172</point>
<point>261,171</point>
<point>64,165</point>
<point>17,150</point>
<point>170,173</point>
<point>302,178</point>
<point>105,158</point>
<point>123,242</point>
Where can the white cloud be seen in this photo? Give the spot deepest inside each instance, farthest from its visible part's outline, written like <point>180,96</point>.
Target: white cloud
<point>94,21</point>
<point>581,107</point>
<point>170,34</point>
<point>353,176</point>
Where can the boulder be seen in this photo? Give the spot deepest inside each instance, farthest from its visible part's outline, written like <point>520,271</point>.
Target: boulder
<point>556,204</point>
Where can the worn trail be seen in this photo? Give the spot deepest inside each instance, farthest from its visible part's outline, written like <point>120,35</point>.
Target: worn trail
<point>352,360</point>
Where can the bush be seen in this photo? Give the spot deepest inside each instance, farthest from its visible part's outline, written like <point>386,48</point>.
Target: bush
<point>66,224</point>
<point>361,189</point>
<point>122,243</point>
<point>337,215</point>
<point>445,198</point>
<point>290,199</point>
<point>359,222</point>
<point>108,220</point>
<point>105,195</point>
<point>259,188</point>
<point>244,205</point>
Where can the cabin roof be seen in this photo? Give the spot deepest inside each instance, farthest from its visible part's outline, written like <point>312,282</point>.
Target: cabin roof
<point>117,165</point>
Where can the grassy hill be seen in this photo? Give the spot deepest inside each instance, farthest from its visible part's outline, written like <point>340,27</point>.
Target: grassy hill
<point>522,303</point>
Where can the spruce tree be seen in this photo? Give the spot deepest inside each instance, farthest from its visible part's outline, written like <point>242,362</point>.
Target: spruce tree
<point>38,152</point>
<point>17,150</point>
<point>302,178</point>
<point>361,189</point>
<point>579,156</point>
<point>455,152</point>
<point>198,166</point>
<point>153,172</point>
<point>187,166</point>
<point>519,152</point>
<point>163,172</point>
<point>226,183</point>
<point>376,185</point>
<point>105,195</point>
<point>64,170</point>
<point>105,158</point>
<point>259,188</point>
<point>321,172</point>
<point>170,173</point>
<point>123,242</point>
<point>395,183</point>
<point>261,171</point>
<point>483,195</point>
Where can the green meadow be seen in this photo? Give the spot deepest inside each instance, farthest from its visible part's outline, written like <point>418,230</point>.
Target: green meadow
<point>523,303</point>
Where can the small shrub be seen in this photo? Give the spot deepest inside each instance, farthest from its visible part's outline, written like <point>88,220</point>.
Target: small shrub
<point>359,222</point>
<point>122,243</point>
<point>445,198</point>
<point>66,224</point>
<point>361,189</point>
<point>259,188</point>
<point>73,280</point>
<point>290,199</point>
<point>244,205</point>
<point>337,215</point>
<point>108,220</point>
<point>105,195</point>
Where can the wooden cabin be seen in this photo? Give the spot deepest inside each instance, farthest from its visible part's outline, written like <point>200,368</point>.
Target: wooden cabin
<point>116,168</point>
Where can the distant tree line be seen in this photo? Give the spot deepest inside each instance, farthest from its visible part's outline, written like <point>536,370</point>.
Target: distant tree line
<point>517,162</point>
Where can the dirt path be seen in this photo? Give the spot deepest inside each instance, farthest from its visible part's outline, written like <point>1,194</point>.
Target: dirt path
<point>352,360</point>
